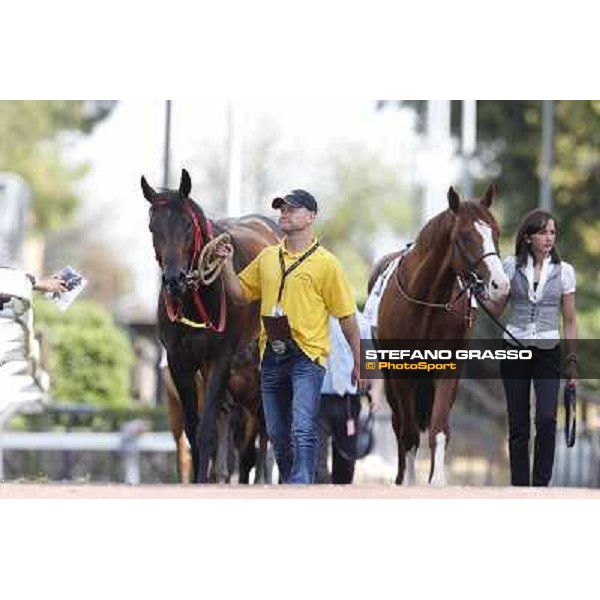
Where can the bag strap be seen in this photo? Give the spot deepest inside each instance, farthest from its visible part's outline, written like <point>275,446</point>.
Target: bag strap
<point>285,272</point>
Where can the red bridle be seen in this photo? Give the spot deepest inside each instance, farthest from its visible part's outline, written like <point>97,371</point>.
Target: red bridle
<point>175,312</point>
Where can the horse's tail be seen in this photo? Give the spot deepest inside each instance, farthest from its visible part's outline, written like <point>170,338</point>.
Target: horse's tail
<point>424,403</point>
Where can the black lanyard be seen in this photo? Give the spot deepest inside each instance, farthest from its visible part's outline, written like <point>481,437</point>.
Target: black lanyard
<point>285,272</point>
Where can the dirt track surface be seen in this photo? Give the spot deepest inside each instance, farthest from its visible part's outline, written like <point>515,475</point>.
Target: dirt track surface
<point>211,492</point>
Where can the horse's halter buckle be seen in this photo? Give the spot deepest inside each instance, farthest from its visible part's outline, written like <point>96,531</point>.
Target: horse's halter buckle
<point>192,280</point>
<point>473,280</point>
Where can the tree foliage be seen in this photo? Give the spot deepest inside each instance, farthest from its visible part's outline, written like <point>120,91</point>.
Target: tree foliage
<point>509,149</point>
<point>510,135</point>
<point>367,201</point>
<point>32,139</point>
<point>89,357</point>
<point>509,140</point>
<point>361,197</point>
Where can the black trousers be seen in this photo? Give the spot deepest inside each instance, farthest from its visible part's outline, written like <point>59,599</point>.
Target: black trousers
<point>333,420</point>
<point>517,375</point>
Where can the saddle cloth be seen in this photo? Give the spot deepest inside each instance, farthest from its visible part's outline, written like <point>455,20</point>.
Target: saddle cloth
<point>372,304</point>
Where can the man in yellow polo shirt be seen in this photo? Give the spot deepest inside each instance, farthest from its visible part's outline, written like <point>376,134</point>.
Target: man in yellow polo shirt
<point>299,284</point>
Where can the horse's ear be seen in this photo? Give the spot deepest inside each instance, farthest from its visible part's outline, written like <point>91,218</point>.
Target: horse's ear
<point>185,187</point>
<point>453,200</point>
<point>489,195</point>
<point>149,192</point>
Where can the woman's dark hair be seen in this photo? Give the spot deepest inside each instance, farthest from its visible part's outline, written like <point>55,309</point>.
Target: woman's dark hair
<point>533,222</point>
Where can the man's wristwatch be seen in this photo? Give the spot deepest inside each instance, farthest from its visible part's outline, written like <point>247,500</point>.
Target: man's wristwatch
<point>31,278</point>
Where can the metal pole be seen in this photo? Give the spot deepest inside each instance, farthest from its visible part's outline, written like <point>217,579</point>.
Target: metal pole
<point>131,464</point>
<point>469,141</point>
<point>160,392</point>
<point>547,154</point>
<point>439,157</point>
<point>167,146</point>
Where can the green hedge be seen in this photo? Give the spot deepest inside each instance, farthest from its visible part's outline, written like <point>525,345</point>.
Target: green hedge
<point>89,358</point>
<point>65,417</point>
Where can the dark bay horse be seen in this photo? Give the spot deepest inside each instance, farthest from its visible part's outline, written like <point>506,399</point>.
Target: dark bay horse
<point>177,425</point>
<point>425,300</point>
<point>248,423</point>
<point>200,328</point>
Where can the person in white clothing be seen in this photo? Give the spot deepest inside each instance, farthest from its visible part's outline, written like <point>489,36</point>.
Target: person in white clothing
<point>340,408</point>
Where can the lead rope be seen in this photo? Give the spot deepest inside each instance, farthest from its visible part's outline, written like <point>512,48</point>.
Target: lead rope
<point>210,264</point>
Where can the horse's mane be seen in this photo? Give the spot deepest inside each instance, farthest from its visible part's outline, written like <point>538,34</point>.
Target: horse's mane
<point>434,230</point>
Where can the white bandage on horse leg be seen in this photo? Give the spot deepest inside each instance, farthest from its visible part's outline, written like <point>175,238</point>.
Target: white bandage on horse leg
<point>438,478</point>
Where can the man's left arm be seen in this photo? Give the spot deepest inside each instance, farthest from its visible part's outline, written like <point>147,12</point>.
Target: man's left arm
<point>349,326</point>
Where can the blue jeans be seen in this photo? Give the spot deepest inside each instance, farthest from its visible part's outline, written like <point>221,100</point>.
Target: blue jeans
<point>291,395</point>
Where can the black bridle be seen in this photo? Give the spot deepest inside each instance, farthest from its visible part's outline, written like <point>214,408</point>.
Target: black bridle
<point>471,282</point>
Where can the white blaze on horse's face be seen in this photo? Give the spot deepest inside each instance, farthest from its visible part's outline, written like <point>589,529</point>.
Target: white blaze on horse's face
<point>498,284</point>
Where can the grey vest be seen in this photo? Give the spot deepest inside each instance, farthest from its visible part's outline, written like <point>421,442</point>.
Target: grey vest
<point>545,312</point>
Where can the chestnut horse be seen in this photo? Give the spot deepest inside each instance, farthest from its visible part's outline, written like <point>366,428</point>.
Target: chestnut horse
<point>427,297</point>
<point>199,326</point>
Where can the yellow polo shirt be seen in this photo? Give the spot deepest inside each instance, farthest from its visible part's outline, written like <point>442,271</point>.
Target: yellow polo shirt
<point>313,290</point>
